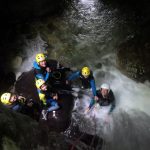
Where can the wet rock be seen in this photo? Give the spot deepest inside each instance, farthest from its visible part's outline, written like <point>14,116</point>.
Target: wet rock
<point>82,139</point>
<point>21,132</point>
<point>133,54</point>
<point>98,65</point>
<point>17,61</point>
<point>25,85</point>
<point>140,7</point>
<point>133,58</point>
<point>7,81</point>
<point>17,11</point>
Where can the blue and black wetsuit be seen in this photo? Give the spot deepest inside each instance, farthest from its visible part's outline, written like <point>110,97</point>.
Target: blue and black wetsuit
<point>19,105</point>
<point>16,106</point>
<point>104,101</point>
<point>41,73</point>
<point>47,99</point>
<point>86,82</point>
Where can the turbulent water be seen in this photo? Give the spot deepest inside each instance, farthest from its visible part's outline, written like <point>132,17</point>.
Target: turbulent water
<point>89,33</point>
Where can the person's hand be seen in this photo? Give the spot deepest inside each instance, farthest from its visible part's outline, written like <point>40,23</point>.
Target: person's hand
<point>21,97</point>
<point>55,97</point>
<point>96,98</point>
<point>30,104</point>
<point>48,69</point>
<point>67,82</point>
<point>87,110</point>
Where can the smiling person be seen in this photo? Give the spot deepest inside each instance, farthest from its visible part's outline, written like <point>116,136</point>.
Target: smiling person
<point>14,101</point>
<point>47,97</point>
<point>41,67</point>
<point>105,98</point>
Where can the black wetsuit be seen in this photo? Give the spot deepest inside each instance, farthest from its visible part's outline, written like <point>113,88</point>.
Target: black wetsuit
<point>86,82</point>
<point>104,101</point>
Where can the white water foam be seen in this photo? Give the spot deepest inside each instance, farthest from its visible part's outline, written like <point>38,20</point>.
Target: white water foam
<point>31,48</point>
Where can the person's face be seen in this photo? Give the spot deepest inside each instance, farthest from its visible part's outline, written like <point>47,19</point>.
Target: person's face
<point>44,87</point>
<point>42,63</point>
<point>104,92</point>
<point>86,76</point>
<point>13,98</point>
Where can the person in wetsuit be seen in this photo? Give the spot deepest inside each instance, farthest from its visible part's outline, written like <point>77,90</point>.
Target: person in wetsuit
<point>47,96</point>
<point>42,69</point>
<point>87,79</point>
<point>17,103</point>
<point>105,98</point>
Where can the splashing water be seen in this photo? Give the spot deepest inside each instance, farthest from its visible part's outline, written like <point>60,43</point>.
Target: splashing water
<point>31,48</point>
<point>129,125</point>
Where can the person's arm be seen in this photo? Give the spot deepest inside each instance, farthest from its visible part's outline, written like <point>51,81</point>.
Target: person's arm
<point>21,99</point>
<point>74,76</point>
<point>112,107</point>
<point>92,102</point>
<point>113,104</point>
<point>92,83</point>
<point>47,76</point>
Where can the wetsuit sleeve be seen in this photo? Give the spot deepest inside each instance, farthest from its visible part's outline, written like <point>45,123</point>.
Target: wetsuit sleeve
<point>41,76</point>
<point>92,83</point>
<point>112,102</point>
<point>92,102</point>
<point>47,76</point>
<point>74,76</point>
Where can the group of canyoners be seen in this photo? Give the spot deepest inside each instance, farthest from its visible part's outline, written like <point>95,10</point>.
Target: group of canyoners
<point>48,95</point>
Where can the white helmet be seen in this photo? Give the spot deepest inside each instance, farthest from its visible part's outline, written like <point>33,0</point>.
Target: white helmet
<point>105,86</point>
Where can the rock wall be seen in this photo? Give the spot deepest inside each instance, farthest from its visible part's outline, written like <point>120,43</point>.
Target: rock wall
<point>133,53</point>
<point>133,58</point>
<point>21,132</point>
<point>17,11</point>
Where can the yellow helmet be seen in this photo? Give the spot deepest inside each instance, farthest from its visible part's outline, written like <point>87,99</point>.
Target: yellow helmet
<point>39,83</point>
<point>5,98</point>
<point>40,57</point>
<point>85,71</point>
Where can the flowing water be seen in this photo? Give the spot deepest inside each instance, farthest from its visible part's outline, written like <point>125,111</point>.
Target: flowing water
<point>88,34</point>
